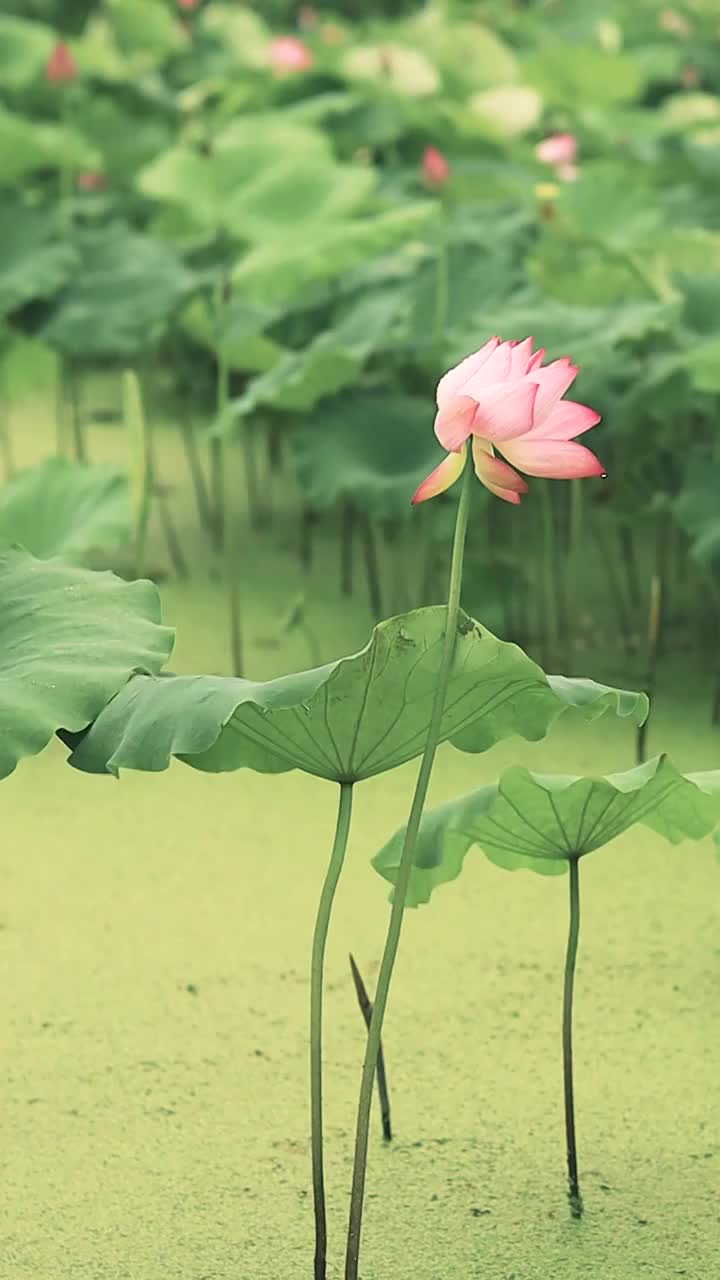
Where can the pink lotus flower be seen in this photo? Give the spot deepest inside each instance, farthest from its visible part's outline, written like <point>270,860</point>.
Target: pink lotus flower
<point>289,55</point>
<point>90,180</point>
<point>188,4</point>
<point>557,150</point>
<point>502,397</point>
<point>60,66</point>
<point>434,167</point>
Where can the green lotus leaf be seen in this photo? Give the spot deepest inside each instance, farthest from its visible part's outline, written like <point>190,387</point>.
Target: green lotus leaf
<point>539,822</point>
<point>69,640</point>
<point>371,447</point>
<point>283,269</point>
<point>332,360</point>
<point>399,69</point>
<point>259,179</point>
<point>29,145</point>
<point>239,335</point>
<point>604,208</point>
<point>24,49</point>
<point>121,297</point>
<point>62,508</point>
<point>591,333</point>
<point>144,32</point>
<point>567,74</point>
<point>34,260</point>
<point>696,507</point>
<point>349,720</point>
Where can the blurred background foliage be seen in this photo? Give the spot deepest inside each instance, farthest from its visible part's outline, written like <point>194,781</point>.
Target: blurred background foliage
<point>264,244</point>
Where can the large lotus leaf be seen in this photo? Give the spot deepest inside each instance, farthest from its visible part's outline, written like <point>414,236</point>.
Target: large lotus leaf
<point>125,137</point>
<point>62,508</point>
<point>144,32</point>
<point>29,145</point>
<point>240,337</point>
<point>538,822</point>
<point>396,68</point>
<point>696,508</point>
<point>248,175</point>
<point>295,193</point>
<point>240,36</point>
<point>603,207</point>
<point>371,447</point>
<point>69,640</point>
<point>589,334</point>
<point>566,272</point>
<point>34,261</point>
<point>567,75</point>
<point>470,54</point>
<point>345,721</point>
<point>508,111</point>
<point>477,278</point>
<point>121,297</point>
<point>24,50</point>
<point>282,270</point>
<point>701,361</point>
<point>98,53</point>
<point>332,360</point>
<point>685,112</point>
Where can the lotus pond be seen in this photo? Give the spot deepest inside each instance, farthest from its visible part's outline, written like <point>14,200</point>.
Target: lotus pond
<point>360,593</point>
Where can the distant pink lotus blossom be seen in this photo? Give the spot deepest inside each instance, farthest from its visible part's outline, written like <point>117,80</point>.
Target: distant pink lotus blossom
<point>557,150</point>
<point>674,23</point>
<point>188,4</point>
<point>289,55</point>
<point>434,167</point>
<point>331,33</point>
<point>307,17</point>
<point>502,397</point>
<point>90,180</point>
<point>60,66</point>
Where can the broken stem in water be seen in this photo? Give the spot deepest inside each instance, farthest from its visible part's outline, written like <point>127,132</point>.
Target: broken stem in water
<point>366,1009</point>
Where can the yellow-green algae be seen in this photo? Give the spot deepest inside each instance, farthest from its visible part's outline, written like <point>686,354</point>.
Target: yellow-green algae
<point>155,940</point>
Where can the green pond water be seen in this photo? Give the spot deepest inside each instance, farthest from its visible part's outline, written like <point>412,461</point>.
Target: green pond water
<point>155,936</point>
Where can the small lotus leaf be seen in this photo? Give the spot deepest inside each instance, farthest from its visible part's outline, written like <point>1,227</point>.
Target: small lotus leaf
<point>539,822</point>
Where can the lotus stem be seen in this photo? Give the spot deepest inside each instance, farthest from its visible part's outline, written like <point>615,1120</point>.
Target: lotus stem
<point>306,542</point>
<point>442,287</point>
<point>197,476</point>
<point>348,520</point>
<point>406,863</point>
<point>653,637</point>
<point>575,523</point>
<point>574,1196</point>
<point>552,629</point>
<point>6,449</point>
<point>252,483</point>
<point>226,534</point>
<point>141,464</point>
<point>172,539</point>
<point>327,896</point>
<point>366,1009</point>
<point>371,567</point>
<point>616,586</point>
<point>217,491</point>
<point>626,538</point>
<point>73,385</point>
